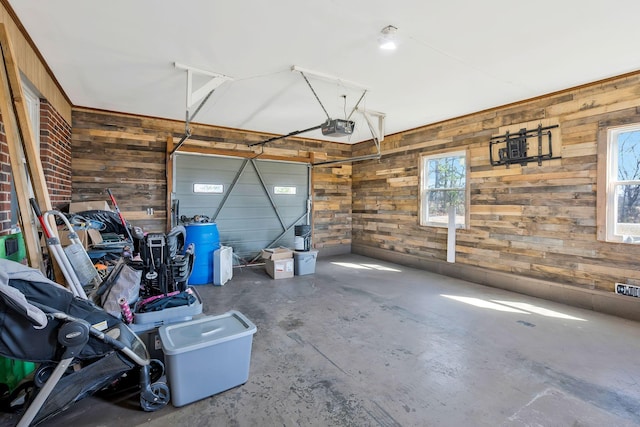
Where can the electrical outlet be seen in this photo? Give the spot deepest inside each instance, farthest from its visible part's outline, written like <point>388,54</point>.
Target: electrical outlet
<point>630,290</point>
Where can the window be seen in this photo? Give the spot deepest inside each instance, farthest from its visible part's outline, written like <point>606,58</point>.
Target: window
<point>443,184</point>
<point>623,184</point>
<point>284,190</point>
<point>208,188</point>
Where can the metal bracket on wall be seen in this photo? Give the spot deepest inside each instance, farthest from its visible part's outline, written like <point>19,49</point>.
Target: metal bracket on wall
<point>513,148</point>
<point>201,95</point>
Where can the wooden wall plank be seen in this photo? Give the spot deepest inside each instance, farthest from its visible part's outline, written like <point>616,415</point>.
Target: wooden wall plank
<point>129,155</point>
<point>537,221</point>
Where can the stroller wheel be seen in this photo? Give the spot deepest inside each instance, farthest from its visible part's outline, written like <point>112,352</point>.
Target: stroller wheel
<point>42,374</point>
<point>156,398</point>
<point>156,370</point>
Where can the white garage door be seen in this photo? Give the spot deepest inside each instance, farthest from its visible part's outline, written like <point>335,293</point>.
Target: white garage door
<point>255,203</point>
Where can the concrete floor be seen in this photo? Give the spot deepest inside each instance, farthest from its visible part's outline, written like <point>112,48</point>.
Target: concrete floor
<point>368,343</point>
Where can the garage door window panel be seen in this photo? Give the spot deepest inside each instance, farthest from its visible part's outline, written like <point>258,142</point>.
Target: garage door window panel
<point>208,188</point>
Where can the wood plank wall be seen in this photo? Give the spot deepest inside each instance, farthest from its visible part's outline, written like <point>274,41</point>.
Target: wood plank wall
<point>127,154</point>
<point>532,221</point>
<point>332,207</point>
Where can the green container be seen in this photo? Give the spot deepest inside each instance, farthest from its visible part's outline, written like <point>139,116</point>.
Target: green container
<point>12,247</point>
<point>13,371</point>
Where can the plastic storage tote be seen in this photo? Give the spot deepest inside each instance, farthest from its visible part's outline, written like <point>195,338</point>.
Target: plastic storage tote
<point>207,356</point>
<point>154,319</point>
<point>304,262</point>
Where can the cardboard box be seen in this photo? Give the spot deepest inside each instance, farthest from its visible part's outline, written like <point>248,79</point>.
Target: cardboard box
<point>280,268</point>
<point>95,236</point>
<point>63,234</point>
<point>94,205</point>
<point>277,253</point>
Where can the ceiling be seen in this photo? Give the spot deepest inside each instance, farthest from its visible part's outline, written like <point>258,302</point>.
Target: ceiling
<point>454,57</point>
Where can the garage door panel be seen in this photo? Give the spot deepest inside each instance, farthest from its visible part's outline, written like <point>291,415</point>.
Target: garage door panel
<point>245,246</point>
<point>247,220</point>
<point>240,224</point>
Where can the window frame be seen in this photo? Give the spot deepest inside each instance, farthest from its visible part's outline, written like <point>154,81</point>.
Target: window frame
<point>207,188</point>
<point>607,183</point>
<point>32,102</point>
<point>423,191</point>
<point>285,190</point>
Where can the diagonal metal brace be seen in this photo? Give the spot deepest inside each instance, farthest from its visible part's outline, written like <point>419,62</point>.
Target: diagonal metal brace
<point>201,95</point>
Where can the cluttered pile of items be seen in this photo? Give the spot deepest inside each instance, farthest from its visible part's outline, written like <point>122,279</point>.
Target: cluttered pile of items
<point>130,309</point>
<point>59,344</point>
<point>135,273</point>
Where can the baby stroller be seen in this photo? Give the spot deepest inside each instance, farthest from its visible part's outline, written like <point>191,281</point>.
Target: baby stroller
<point>79,347</point>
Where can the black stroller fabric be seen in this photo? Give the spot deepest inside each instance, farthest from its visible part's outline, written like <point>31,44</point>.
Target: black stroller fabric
<point>18,338</point>
<point>85,382</point>
<point>96,366</point>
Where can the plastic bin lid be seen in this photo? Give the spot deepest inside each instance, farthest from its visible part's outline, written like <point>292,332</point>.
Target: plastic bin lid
<point>305,254</point>
<point>204,332</point>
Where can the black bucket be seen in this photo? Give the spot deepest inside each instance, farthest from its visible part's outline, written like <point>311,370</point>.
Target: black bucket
<point>302,241</point>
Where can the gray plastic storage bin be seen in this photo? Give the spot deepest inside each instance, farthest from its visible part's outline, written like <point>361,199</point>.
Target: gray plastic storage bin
<point>304,262</point>
<point>206,356</point>
<point>153,319</point>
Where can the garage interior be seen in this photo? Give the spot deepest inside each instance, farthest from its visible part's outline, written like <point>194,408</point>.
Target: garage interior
<point>519,308</point>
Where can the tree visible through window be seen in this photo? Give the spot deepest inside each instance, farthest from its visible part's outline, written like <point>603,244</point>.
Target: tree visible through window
<point>623,186</point>
<point>444,179</point>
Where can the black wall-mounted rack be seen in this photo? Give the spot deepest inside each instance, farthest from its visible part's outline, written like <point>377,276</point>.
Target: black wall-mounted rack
<point>514,148</point>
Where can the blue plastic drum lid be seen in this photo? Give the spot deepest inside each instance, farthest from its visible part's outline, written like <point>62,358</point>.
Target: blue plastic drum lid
<point>206,239</point>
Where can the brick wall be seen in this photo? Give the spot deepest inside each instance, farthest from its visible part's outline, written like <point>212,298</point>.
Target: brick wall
<point>55,154</point>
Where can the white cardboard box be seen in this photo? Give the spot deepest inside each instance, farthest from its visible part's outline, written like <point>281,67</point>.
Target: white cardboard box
<point>280,268</point>
<point>277,253</point>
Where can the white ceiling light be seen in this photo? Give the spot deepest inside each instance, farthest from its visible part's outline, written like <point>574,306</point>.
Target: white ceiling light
<point>387,39</point>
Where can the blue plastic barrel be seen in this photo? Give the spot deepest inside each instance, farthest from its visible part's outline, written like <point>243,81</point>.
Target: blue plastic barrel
<point>206,239</point>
